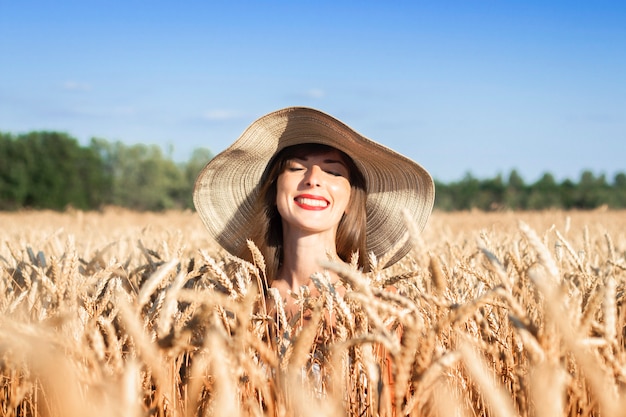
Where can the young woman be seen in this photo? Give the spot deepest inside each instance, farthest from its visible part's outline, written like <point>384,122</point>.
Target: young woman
<point>311,206</point>
<point>304,186</point>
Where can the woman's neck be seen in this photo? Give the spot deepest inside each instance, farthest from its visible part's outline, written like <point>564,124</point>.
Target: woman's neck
<point>301,256</point>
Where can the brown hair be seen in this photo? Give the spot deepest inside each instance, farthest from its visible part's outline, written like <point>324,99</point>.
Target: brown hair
<point>351,231</point>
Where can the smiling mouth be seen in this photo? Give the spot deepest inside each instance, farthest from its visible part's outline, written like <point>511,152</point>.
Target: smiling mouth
<point>311,203</point>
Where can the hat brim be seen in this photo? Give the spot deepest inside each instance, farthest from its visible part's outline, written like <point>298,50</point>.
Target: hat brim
<point>227,187</point>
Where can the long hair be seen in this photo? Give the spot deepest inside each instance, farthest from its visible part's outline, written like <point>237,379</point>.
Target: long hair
<point>351,231</point>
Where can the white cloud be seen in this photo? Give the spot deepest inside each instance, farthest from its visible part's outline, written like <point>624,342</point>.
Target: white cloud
<point>315,93</point>
<point>76,86</point>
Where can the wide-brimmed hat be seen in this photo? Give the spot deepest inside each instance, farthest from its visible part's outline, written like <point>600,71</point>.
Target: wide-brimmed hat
<point>226,189</point>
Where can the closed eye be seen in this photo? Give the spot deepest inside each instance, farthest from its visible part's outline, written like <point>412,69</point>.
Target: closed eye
<point>293,166</point>
<point>334,173</point>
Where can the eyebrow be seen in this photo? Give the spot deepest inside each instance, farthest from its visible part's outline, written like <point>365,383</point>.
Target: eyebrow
<point>334,161</point>
<point>326,161</point>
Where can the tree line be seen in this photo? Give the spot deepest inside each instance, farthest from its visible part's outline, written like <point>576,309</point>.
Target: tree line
<point>51,170</point>
<point>590,192</point>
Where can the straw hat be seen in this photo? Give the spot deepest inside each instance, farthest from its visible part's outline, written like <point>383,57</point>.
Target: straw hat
<point>227,187</point>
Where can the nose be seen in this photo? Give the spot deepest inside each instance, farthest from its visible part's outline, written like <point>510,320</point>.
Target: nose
<point>313,176</point>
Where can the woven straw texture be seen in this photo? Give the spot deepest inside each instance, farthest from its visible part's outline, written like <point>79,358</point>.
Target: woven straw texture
<point>227,187</point>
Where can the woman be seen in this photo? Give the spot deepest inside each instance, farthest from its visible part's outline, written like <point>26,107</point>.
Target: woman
<point>304,186</point>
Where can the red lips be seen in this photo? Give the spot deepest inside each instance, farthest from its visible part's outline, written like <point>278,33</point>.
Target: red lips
<point>311,202</point>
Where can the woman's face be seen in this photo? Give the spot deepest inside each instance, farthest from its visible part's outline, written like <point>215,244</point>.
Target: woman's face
<point>313,191</point>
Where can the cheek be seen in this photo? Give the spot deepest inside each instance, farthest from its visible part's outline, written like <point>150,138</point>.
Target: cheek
<point>282,184</point>
<point>342,191</point>
<point>281,194</point>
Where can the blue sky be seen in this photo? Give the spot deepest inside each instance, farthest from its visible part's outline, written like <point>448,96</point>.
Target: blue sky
<point>460,86</point>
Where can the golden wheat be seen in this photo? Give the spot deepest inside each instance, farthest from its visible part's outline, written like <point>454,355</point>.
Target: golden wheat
<point>140,314</point>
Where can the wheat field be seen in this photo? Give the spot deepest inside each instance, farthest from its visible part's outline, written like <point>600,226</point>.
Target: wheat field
<point>118,313</point>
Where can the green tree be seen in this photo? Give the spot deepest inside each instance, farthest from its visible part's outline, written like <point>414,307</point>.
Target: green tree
<point>618,198</point>
<point>591,192</point>
<point>515,193</point>
<point>491,194</point>
<point>465,192</point>
<point>545,193</point>
<point>444,199</point>
<point>191,169</point>
<point>13,173</point>
<point>142,177</point>
<point>568,190</point>
<point>48,170</point>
